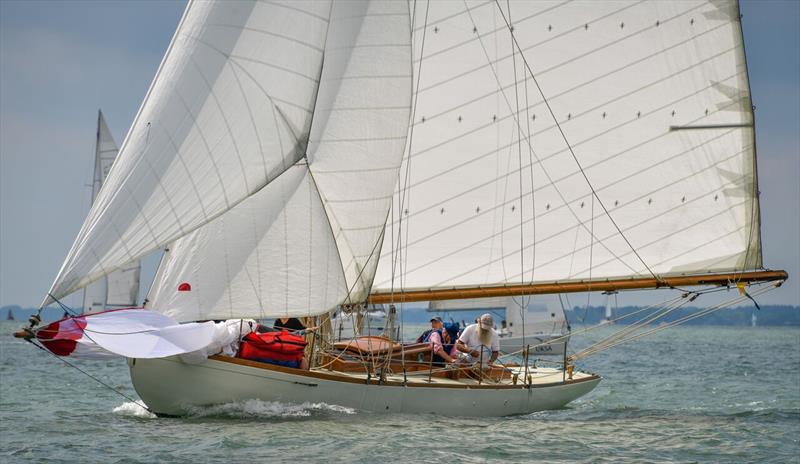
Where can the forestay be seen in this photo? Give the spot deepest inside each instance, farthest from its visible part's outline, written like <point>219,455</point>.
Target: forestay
<point>653,99</point>
<point>229,110</point>
<point>120,288</point>
<point>309,241</point>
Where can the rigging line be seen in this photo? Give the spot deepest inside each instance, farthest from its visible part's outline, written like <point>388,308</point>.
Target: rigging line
<point>595,327</point>
<point>702,313</point>
<point>515,118</point>
<point>622,333</point>
<point>572,152</point>
<point>403,186</point>
<point>406,196</point>
<point>696,315</point>
<point>127,397</point>
<point>522,305</point>
<point>755,207</point>
<point>591,257</point>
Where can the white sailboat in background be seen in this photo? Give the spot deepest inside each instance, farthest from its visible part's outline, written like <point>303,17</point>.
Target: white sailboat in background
<point>119,289</point>
<point>520,323</point>
<point>299,156</point>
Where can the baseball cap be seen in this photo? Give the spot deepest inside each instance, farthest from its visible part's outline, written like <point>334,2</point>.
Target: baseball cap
<point>436,318</point>
<point>486,321</point>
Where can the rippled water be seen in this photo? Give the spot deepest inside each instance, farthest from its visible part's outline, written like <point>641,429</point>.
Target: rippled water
<point>688,395</point>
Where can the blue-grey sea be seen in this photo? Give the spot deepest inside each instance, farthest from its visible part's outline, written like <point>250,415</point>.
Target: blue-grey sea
<point>689,394</point>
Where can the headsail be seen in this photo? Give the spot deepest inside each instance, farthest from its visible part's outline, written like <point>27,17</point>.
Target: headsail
<point>120,288</point>
<point>229,110</point>
<point>630,155</point>
<point>309,241</point>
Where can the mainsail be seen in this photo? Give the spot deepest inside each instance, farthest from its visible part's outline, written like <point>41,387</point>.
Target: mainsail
<point>564,141</point>
<point>120,288</point>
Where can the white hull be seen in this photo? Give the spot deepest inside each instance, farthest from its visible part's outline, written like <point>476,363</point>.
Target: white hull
<point>171,387</point>
<point>538,343</point>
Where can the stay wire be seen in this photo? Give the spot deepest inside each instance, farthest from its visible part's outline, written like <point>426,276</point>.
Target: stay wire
<point>127,397</point>
<point>569,146</point>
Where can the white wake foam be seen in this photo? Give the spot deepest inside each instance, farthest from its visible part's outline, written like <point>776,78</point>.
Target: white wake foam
<point>266,409</point>
<point>132,409</point>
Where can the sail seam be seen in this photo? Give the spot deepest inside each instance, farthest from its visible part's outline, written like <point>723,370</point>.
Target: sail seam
<point>545,158</point>
<point>586,112</point>
<point>491,63</point>
<point>555,235</point>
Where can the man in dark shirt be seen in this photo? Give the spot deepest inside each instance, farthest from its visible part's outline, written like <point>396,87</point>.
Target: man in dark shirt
<point>291,324</point>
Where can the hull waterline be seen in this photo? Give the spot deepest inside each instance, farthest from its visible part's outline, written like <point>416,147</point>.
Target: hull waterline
<point>171,387</point>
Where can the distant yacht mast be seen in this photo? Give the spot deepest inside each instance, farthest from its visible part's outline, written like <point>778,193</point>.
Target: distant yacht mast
<point>119,289</point>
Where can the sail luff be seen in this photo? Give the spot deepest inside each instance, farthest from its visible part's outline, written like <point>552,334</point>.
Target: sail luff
<point>755,207</point>
<point>598,285</point>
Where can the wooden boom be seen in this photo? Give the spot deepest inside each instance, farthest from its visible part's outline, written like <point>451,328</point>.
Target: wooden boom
<point>732,278</point>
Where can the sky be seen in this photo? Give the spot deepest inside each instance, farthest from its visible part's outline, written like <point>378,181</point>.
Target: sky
<point>62,60</point>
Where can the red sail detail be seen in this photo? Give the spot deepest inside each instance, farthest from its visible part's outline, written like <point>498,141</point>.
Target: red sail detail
<point>184,287</point>
<point>61,337</point>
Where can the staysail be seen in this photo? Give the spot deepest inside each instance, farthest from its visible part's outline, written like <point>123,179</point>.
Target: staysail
<point>120,288</point>
<point>229,110</point>
<point>309,241</point>
<point>554,142</point>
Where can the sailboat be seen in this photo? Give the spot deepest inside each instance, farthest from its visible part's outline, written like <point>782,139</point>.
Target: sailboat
<point>119,289</point>
<point>522,323</point>
<point>297,157</point>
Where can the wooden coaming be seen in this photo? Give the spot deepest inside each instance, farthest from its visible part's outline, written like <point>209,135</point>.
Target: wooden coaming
<point>333,376</point>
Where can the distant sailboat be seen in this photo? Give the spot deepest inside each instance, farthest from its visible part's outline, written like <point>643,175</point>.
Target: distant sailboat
<point>119,289</point>
<point>611,305</point>
<point>544,332</point>
<point>297,157</point>
<point>10,316</point>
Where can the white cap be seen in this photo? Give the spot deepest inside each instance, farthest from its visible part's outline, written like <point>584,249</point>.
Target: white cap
<point>486,321</point>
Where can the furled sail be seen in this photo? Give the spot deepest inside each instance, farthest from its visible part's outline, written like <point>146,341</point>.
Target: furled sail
<point>309,241</point>
<point>121,287</point>
<point>229,110</point>
<point>556,141</point>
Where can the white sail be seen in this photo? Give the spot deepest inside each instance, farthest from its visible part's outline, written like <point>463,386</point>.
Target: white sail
<point>308,242</point>
<point>229,110</point>
<point>121,287</point>
<point>653,99</point>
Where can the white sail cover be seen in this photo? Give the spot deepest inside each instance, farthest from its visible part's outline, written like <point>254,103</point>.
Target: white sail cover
<point>133,333</point>
<point>309,241</point>
<point>229,110</point>
<point>652,97</point>
<point>120,288</point>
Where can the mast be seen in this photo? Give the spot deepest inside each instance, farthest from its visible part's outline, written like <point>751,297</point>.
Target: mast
<point>605,285</point>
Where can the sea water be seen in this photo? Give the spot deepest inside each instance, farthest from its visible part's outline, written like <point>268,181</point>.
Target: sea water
<point>689,394</point>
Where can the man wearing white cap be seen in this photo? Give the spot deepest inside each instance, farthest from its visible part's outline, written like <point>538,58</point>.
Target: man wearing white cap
<point>479,342</point>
